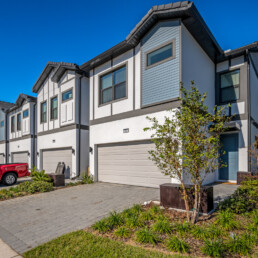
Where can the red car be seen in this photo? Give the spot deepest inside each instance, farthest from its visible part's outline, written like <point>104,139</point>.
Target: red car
<point>10,172</point>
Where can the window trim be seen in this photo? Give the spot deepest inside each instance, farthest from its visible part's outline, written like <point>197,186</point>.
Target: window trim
<point>23,113</point>
<point>13,124</point>
<point>41,122</point>
<point>63,92</point>
<point>173,42</point>
<point>52,119</point>
<point>19,129</point>
<point>112,70</point>
<point>225,72</point>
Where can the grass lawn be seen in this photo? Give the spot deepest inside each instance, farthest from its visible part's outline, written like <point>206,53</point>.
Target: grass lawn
<point>85,244</point>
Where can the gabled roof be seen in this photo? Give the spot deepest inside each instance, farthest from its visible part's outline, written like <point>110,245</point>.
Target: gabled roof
<point>5,105</point>
<point>186,11</point>
<point>45,73</point>
<point>20,100</point>
<point>62,68</point>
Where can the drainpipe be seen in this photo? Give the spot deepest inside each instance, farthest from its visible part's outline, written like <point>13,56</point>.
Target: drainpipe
<point>248,109</point>
<point>34,136</point>
<point>6,139</point>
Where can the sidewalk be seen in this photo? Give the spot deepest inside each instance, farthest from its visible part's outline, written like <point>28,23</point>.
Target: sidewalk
<point>6,251</point>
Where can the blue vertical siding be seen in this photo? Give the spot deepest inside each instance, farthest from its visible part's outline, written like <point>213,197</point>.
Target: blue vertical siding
<point>161,82</point>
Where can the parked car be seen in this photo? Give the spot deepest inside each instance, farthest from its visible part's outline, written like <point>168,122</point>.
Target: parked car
<point>10,172</point>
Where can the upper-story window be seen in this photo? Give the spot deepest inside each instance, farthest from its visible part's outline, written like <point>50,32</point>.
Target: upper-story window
<point>25,113</point>
<point>159,55</point>
<point>2,123</point>
<point>113,85</point>
<point>19,122</point>
<point>67,95</point>
<point>53,108</point>
<point>229,86</point>
<point>43,112</point>
<point>13,124</point>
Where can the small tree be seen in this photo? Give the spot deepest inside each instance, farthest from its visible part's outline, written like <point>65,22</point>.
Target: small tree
<point>187,144</point>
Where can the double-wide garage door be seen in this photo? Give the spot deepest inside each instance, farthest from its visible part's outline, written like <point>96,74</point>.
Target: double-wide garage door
<point>129,164</point>
<point>20,157</point>
<point>50,159</point>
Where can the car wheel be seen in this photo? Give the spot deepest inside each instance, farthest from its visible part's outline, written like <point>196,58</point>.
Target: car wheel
<point>10,179</point>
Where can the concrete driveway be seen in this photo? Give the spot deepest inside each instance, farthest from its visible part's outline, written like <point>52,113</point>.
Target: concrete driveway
<point>29,221</point>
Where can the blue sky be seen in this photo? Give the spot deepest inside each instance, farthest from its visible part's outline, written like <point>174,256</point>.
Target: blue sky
<point>35,32</point>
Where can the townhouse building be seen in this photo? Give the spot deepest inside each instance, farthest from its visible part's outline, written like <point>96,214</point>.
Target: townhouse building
<point>63,118</point>
<point>22,131</point>
<point>4,136</point>
<point>141,77</point>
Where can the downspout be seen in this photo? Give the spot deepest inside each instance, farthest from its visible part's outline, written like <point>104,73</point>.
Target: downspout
<point>79,143</point>
<point>34,136</point>
<point>248,110</point>
<point>6,139</point>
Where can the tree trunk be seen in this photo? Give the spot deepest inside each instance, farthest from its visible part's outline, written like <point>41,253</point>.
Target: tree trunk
<point>196,195</point>
<point>186,200</point>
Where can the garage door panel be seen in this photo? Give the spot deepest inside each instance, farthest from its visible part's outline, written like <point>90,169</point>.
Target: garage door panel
<point>2,161</point>
<point>51,158</point>
<point>129,164</point>
<point>20,157</point>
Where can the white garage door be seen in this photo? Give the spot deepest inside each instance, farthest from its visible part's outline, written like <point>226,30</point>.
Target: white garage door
<point>2,161</point>
<point>20,157</point>
<point>129,164</point>
<point>50,159</point>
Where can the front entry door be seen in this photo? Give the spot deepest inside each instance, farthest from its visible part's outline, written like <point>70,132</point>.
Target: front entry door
<point>230,146</point>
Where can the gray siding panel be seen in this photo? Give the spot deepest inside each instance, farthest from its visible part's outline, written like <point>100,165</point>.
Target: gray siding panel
<point>161,82</point>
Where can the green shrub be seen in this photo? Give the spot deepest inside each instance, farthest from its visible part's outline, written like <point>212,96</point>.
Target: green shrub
<point>162,226</point>
<point>87,179</point>
<point>182,228</point>
<point>39,175</point>
<point>123,232</point>
<point>213,248</point>
<point>134,222</point>
<point>200,232</point>
<point>39,186</point>
<point>226,220</point>
<point>239,245</point>
<point>137,208</point>
<point>146,216</point>
<point>114,220</point>
<point>101,226</point>
<point>177,245</point>
<point>215,232</point>
<point>146,236</point>
<point>250,238</point>
<point>156,210</point>
<point>244,199</point>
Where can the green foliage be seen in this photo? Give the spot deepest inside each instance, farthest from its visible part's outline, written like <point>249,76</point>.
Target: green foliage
<point>146,236</point>
<point>101,226</point>
<point>213,248</point>
<point>25,188</point>
<point>192,135</point>
<point>200,232</point>
<point>146,216</point>
<point>215,232</point>
<point>182,228</point>
<point>244,199</point>
<point>123,232</point>
<point>162,226</point>
<point>177,245</point>
<point>87,179</point>
<point>37,175</point>
<point>137,208</point>
<point>226,220</point>
<point>84,244</point>
<point>134,222</point>
<point>239,245</point>
<point>114,220</point>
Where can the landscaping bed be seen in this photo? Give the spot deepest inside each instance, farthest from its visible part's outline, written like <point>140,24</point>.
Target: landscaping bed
<point>40,183</point>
